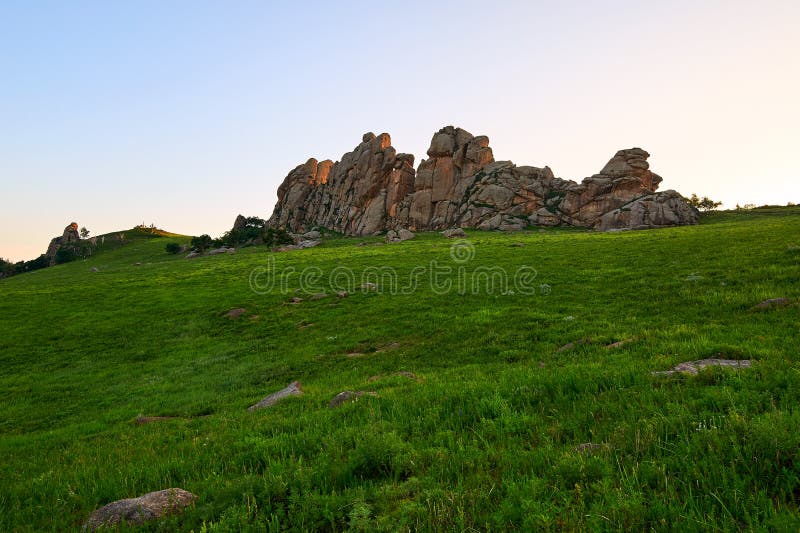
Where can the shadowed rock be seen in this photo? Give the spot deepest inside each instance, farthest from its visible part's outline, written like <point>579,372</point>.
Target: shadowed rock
<point>135,511</point>
<point>68,237</point>
<point>571,345</point>
<point>620,344</point>
<point>293,389</point>
<point>772,303</point>
<point>454,233</point>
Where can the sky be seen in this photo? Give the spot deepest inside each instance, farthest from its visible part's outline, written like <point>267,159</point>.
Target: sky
<point>184,114</point>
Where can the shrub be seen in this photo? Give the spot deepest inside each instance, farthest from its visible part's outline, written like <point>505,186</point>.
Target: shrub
<point>173,248</point>
<point>65,255</point>
<point>202,243</point>
<point>7,268</point>
<point>277,237</point>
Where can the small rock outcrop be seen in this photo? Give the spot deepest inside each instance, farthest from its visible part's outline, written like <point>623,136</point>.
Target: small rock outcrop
<point>239,223</point>
<point>375,189</point>
<point>136,511</point>
<point>69,237</point>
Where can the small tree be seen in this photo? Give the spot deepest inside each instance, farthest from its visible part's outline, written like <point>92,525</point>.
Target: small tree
<point>84,233</point>
<point>704,204</point>
<point>7,268</point>
<point>202,242</point>
<point>277,237</point>
<point>173,248</point>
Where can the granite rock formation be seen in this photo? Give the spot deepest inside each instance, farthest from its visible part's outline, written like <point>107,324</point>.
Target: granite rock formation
<point>69,237</point>
<point>375,189</point>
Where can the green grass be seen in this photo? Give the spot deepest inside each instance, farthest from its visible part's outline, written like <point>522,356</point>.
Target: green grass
<point>484,439</point>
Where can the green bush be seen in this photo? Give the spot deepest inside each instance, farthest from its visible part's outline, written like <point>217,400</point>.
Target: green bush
<point>202,243</point>
<point>173,248</point>
<point>277,237</point>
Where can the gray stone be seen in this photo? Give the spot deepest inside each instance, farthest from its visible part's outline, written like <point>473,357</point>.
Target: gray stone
<point>136,511</point>
<point>772,303</point>
<point>694,367</point>
<point>404,235</point>
<point>454,233</point>
<point>293,389</point>
<point>236,313</point>
<point>348,396</point>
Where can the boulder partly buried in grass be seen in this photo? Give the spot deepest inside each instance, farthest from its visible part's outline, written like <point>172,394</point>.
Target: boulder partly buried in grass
<point>773,303</point>
<point>135,511</point>
<point>694,367</point>
<point>574,344</point>
<point>236,313</point>
<point>142,420</point>
<point>348,396</point>
<point>293,389</point>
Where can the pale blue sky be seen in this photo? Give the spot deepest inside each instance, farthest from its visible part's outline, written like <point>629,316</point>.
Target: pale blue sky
<point>185,114</point>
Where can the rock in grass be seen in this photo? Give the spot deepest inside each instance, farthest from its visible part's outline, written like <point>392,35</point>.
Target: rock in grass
<point>142,420</point>
<point>347,396</point>
<point>694,367</point>
<point>772,303</point>
<point>588,447</point>
<point>93,270</point>
<point>402,374</point>
<point>135,511</point>
<point>236,313</point>
<point>454,233</point>
<point>399,235</point>
<point>620,344</point>
<point>222,250</point>
<point>293,389</point>
<point>571,345</point>
<point>318,296</point>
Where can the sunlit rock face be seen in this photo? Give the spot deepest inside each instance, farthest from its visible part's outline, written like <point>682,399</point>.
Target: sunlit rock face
<point>374,189</point>
<point>357,195</point>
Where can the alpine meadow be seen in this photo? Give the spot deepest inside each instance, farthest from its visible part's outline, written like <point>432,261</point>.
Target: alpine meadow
<point>473,404</point>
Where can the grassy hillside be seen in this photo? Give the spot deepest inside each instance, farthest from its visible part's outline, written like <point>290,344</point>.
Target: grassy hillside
<point>487,431</point>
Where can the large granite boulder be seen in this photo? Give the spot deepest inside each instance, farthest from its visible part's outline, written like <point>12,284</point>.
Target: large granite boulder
<point>356,196</point>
